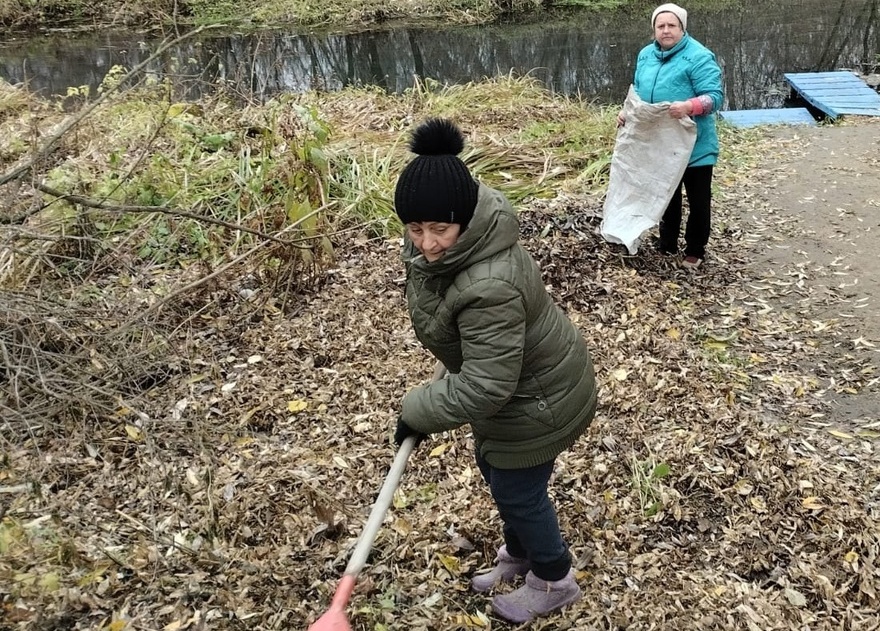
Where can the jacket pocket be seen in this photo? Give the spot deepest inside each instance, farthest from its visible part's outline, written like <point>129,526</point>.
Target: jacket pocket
<point>522,418</point>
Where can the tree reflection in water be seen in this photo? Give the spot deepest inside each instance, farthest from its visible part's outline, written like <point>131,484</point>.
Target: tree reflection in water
<point>591,54</point>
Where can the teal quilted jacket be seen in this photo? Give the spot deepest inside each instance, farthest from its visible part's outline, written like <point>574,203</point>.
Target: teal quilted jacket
<point>686,70</point>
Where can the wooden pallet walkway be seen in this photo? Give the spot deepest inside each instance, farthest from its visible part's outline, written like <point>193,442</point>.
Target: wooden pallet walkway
<point>779,116</point>
<point>835,93</point>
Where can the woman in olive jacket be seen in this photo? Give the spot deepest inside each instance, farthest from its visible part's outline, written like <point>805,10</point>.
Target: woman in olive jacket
<point>519,372</point>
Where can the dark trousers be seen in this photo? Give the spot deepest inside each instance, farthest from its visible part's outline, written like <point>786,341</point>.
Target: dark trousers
<point>531,528</point>
<point>697,183</point>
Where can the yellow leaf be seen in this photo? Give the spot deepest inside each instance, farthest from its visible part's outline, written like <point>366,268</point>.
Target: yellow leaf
<point>839,434</point>
<point>673,333</point>
<point>133,432</point>
<point>401,526</point>
<point>438,450</point>
<point>24,578</point>
<point>744,487</point>
<point>116,625</point>
<point>176,109</point>
<point>92,578</point>
<point>620,374</point>
<point>475,621</point>
<point>298,405</point>
<point>812,503</point>
<point>451,563</point>
<point>400,500</point>
<point>851,557</point>
<point>49,582</point>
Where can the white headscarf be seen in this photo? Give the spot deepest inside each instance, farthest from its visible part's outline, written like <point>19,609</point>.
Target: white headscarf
<point>669,7</point>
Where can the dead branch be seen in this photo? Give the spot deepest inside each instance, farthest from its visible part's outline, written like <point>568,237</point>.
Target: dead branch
<point>191,287</point>
<point>124,208</point>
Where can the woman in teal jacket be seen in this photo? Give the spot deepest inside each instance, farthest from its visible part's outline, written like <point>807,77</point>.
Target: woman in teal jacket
<point>519,372</point>
<point>678,69</point>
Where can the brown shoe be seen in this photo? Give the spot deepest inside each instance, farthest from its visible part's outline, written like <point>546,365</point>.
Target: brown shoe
<point>691,262</point>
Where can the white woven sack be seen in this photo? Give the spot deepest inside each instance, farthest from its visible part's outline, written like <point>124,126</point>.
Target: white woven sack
<point>650,155</point>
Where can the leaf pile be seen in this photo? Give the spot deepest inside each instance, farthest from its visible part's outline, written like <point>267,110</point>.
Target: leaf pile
<point>713,490</point>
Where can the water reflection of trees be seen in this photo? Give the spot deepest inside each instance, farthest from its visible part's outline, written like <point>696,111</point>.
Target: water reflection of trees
<point>758,48</point>
<point>590,54</point>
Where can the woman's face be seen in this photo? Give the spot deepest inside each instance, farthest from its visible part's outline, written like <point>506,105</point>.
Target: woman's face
<point>667,30</point>
<point>433,238</point>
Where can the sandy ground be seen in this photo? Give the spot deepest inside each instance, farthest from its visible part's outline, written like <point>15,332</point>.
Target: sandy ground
<point>825,194</point>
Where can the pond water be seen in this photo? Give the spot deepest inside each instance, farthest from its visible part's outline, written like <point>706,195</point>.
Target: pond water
<point>586,53</point>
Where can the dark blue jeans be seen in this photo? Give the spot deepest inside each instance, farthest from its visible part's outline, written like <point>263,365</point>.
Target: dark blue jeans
<point>531,528</point>
<point>697,183</point>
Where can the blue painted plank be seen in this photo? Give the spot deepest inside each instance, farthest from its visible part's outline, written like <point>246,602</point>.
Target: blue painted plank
<point>836,93</point>
<point>818,78</point>
<point>826,74</point>
<point>841,89</point>
<point>780,116</point>
<point>843,97</point>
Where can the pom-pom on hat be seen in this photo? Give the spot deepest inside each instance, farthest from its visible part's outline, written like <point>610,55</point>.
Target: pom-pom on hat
<point>669,7</point>
<point>436,185</point>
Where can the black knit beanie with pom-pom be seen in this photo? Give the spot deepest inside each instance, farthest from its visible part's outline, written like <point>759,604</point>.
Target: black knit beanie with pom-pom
<point>436,185</point>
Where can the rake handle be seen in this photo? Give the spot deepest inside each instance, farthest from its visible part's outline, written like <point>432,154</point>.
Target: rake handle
<point>380,507</point>
<point>386,494</point>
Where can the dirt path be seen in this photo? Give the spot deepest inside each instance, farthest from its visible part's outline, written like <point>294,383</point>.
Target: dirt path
<point>820,240</point>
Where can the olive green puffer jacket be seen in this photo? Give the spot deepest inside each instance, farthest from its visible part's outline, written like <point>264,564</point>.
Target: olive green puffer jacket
<point>519,371</point>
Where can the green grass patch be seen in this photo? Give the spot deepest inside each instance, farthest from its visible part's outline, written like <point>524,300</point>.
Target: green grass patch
<point>172,183</point>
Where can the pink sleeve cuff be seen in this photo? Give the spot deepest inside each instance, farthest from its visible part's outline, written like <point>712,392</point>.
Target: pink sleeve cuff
<point>702,104</point>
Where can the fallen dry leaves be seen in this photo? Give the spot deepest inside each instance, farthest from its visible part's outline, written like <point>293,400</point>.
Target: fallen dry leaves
<point>713,491</point>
